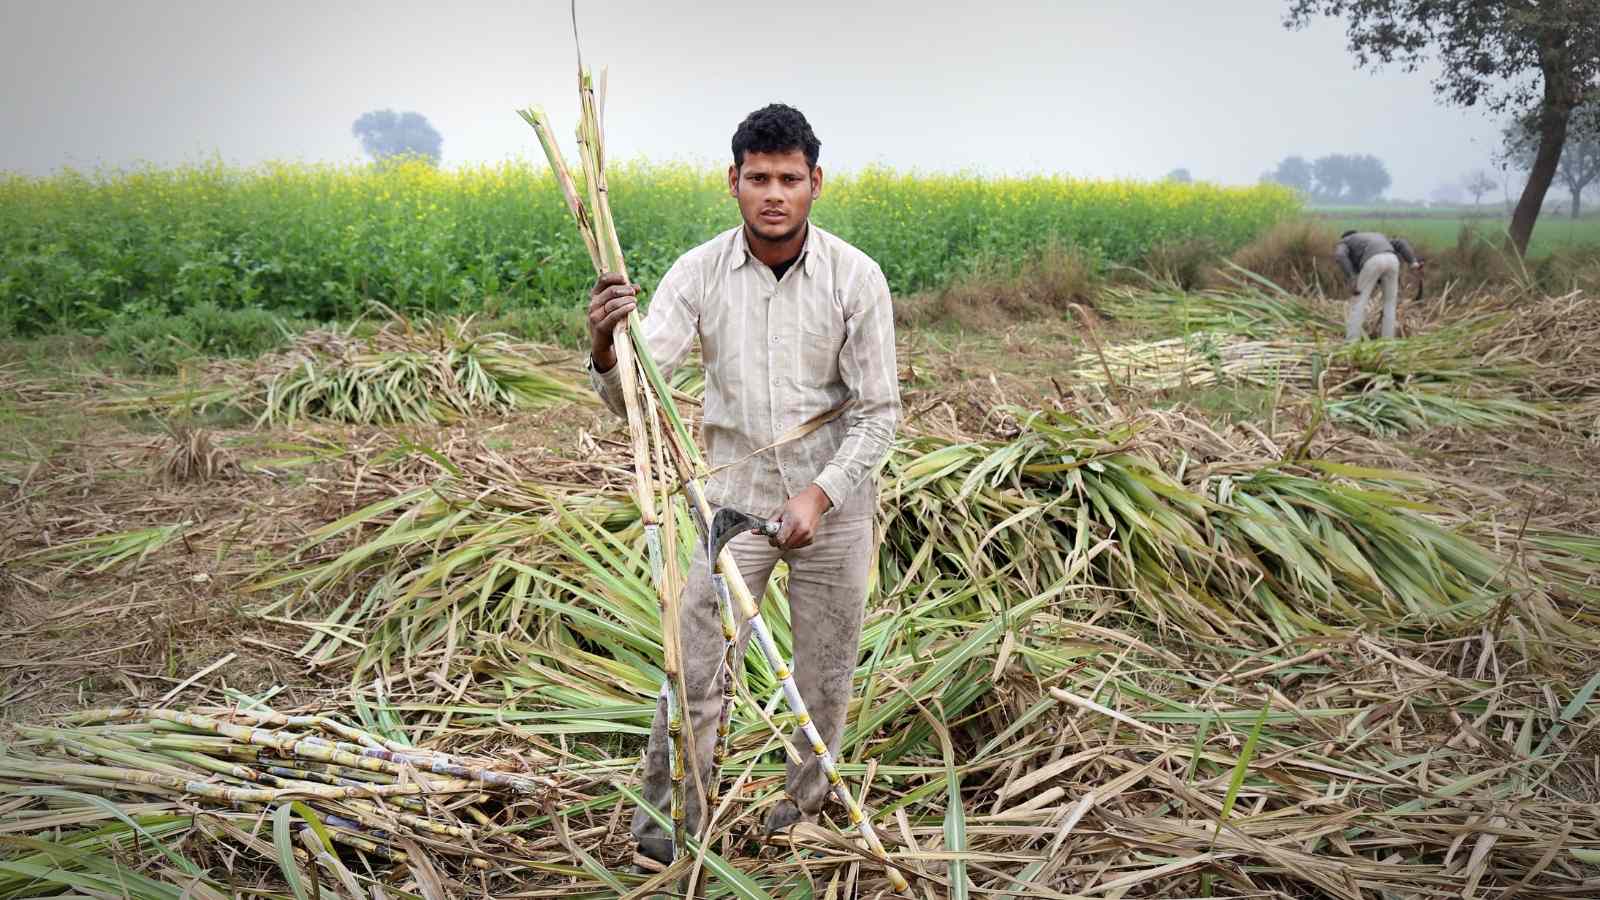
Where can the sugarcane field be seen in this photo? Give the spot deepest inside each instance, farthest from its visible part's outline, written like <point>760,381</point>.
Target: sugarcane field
<point>594,514</point>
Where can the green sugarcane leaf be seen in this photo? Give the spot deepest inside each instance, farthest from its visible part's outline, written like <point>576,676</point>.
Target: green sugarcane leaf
<point>315,821</point>
<point>1239,770</point>
<point>283,843</point>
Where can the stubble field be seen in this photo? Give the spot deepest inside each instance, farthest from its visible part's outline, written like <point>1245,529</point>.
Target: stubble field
<point>1175,595</point>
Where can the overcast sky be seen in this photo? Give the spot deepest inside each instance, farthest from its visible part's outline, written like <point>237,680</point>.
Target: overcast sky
<point>1131,89</point>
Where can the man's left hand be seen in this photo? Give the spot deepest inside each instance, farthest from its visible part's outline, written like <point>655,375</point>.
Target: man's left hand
<point>800,517</point>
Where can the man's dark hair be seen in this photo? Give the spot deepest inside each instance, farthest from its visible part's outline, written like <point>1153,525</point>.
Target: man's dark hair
<point>1347,234</point>
<point>775,128</point>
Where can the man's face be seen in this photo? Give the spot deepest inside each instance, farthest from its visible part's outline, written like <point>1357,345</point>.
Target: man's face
<point>775,191</point>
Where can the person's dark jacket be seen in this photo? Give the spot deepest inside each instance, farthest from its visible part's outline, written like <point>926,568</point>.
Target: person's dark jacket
<point>1352,252</point>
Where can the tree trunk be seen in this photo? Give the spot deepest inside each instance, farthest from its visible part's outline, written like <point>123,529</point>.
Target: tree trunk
<point>1552,135</point>
<point>1577,203</point>
<point>1554,113</point>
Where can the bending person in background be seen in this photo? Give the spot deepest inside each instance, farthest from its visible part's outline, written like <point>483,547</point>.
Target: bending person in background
<point>1367,259</point>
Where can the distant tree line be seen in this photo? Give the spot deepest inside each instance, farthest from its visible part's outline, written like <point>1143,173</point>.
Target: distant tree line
<point>1335,178</point>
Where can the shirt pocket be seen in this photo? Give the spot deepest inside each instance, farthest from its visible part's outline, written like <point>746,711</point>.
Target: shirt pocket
<point>820,343</point>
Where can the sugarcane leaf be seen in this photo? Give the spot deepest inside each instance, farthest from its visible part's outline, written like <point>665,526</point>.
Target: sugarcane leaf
<point>283,844</point>
<point>1239,769</point>
<point>315,821</point>
<point>1570,712</point>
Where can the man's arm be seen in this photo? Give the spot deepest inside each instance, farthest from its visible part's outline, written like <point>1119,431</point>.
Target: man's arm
<point>669,327</point>
<point>1402,248</point>
<point>1341,255</point>
<point>867,365</point>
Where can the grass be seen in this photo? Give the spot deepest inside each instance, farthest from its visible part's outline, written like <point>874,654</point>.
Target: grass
<point>1554,231</point>
<point>155,342</point>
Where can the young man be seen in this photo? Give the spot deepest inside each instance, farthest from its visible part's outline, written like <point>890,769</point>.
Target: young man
<point>793,322</point>
<point>1368,258</point>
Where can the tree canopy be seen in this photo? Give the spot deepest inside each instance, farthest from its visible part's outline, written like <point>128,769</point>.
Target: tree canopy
<point>1529,56</point>
<point>1334,178</point>
<point>384,133</point>
<point>1579,165</point>
<point>1477,183</point>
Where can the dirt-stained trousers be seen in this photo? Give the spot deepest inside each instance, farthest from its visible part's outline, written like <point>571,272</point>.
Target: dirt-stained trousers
<point>1380,268</point>
<point>827,596</point>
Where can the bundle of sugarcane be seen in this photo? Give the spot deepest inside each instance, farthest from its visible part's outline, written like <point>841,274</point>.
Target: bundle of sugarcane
<point>1198,358</point>
<point>660,440</point>
<point>409,371</point>
<point>1250,313</point>
<point>1386,408</point>
<point>342,800</point>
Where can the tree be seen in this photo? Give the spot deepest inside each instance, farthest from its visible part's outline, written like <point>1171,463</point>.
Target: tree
<point>1477,183</point>
<point>1180,175</point>
<point>1367,177</point>
<point>1531,55</point>
<point>384,133</point>
<point>1580,160</point>
<point>1328,175</point>
<point>1292,171</point>
<point>1349,178</point>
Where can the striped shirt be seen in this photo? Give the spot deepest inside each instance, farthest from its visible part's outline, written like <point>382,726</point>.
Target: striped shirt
<point>778,353</point>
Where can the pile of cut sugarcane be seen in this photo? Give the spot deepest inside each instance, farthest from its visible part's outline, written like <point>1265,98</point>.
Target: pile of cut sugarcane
<point>325,785</point>
<point>665,460</point>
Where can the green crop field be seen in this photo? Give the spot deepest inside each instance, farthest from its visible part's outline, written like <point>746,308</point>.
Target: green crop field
<point>320,242</point>
<point>1437,231</point>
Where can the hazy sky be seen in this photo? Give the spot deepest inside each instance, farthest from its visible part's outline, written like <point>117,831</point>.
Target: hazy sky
<point>1094,89</point>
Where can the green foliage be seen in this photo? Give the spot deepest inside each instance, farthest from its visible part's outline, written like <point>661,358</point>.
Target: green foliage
<point>320,242</point>
<point>159,343</point>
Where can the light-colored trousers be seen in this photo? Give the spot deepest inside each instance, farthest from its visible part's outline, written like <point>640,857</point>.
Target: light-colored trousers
<point>1380,267</point>
<point>827,596</point>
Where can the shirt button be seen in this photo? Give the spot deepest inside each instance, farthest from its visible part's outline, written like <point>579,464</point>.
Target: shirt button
<point>775,339</point>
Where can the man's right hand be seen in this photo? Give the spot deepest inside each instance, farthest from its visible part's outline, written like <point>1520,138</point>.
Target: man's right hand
<point>609,303</point>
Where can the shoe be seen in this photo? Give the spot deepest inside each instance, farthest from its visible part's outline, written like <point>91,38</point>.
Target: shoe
<point>781,817</point>
<point>651,856</point>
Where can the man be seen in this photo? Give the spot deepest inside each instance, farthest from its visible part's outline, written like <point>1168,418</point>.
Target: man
<point>793,322</point>
<point>1368,258</point>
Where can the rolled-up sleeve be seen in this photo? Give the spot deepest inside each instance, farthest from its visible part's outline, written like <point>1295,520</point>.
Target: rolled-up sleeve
<point>670,324</point>
<point>869,371</point>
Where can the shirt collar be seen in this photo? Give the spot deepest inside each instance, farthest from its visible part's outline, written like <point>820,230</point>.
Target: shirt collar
<point>808,251</point>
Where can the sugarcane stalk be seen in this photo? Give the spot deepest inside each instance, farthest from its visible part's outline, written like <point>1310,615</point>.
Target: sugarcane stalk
<point>370,759</point>
<point>536,118</point>
<point>599,232</point>
<point>730,671</point>
<point>665,571</point>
